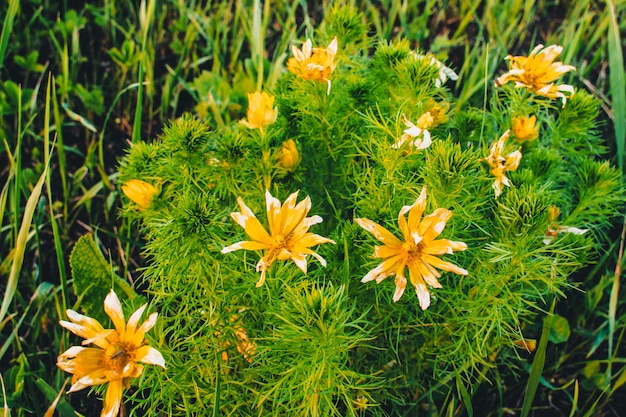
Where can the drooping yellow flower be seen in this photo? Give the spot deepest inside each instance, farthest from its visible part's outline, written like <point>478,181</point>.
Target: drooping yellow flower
<point>140,192</point>
<point>417,250</point>
<point>288,238</point>
<point>313,63</point>
<point>554,228</point>
<point>529,344</point>
<point>289,157</point>
<point>261,111</point>
<point>444,72</point>
<point>417,135</point>
<point>244,345</point>
<point>115,355</point>
<point>538,71</point>
<point>525,128</point>
<point>500,164</point>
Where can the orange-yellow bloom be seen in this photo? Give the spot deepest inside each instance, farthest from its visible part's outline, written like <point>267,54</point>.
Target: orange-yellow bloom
<point>538,71</point>
<point>244,345</point>
<point>437,112</point>
<point>313,63</point>
<point>261,111</point>
<point>554,228</point>
<point>500,164</point>
<point>288,238</point>
<point>418,131</point>
<point>115,354</point>
<point>289,157</point>
<point>525,128</point>
<point>140,192</point>
<point>418,250</point>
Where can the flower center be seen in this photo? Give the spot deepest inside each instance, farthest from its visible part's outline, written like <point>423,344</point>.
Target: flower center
<point>280,241</point>
<point>425,121</point>
<point>413,251</point>
<point>117,356</point>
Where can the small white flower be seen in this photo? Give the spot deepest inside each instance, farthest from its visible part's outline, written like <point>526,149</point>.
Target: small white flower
<point>444,72</point>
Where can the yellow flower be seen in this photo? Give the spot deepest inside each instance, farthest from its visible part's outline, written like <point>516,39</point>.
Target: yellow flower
<point>115,353</point>
<point>313,63</point>
<point>244,346</point>
<point>437,112</point>
<point>289,157</point>
<point>525,128</point>
<point>288,238</point>
<point>417,131</point>
<point>538,71</point>
<point>500,164</point>
<point>140,192</point>
<point>554,228</point>
<point>261,110</point>
<point>418,250</point>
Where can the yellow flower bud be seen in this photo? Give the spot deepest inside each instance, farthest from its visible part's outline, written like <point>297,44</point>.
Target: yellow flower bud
<point>529,344</point>
<point>140,192</point>
<point>289,157</point>
<point>261,110</point>
<point>553,213</point>
<point>525,128</point>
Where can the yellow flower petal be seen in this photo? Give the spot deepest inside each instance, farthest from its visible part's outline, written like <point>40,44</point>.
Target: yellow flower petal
<point>379,232</point>
<point>113,308</point>
<point>112,399</point>
<point>85,327</point>
<point>150,355</point>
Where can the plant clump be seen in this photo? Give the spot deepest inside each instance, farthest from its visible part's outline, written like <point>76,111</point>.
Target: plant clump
<point>314,340</point>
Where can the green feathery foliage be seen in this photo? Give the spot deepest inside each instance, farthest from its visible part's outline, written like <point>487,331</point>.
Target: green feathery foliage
<point>324,344</point>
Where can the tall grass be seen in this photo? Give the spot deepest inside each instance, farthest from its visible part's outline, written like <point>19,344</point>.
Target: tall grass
<point>617,82</point>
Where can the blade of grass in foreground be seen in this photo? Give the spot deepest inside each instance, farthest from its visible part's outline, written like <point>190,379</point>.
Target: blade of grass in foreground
<point>538,362</point>
<point>618,85</point>
<point>613,299</point>
<point>53,220</point>
<point>7,27</point>
<point>147,16</point>
<point>22,237</point>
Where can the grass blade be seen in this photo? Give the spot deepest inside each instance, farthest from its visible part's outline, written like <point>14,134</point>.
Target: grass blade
<point>53,220</point>
<point>538,362</point>
<point>22,237</point>
<point>7,28</point>
<point>618,85</point>
<point>614,298</point>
